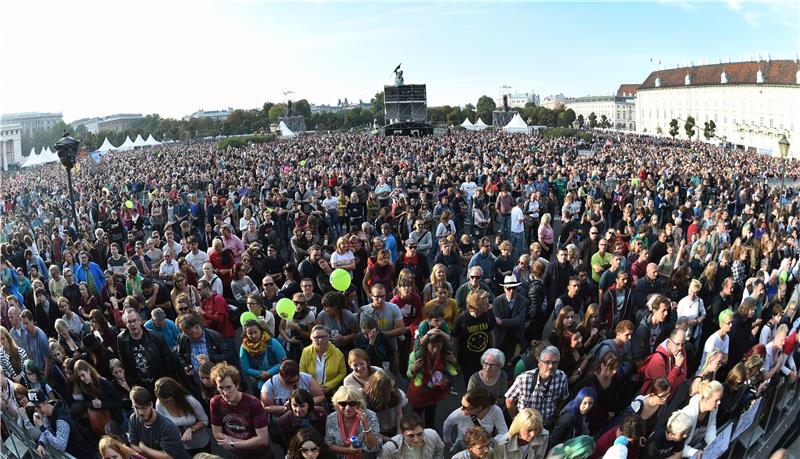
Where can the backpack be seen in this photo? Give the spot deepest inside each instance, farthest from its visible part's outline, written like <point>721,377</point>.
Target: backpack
<point>643,369</point>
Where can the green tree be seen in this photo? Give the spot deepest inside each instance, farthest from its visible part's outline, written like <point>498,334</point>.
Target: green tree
<point>485,107</point>
<point>469,107</point>
<point>673,128</point>
<point>581,121</point>
<point>569,117</point>
<point>659,131</point>
<point>592,120</point>
<point>604,121</point>
<point>275,111</point>
<point>709,129</point>
<point>689,127</point>
<point>303,107</point>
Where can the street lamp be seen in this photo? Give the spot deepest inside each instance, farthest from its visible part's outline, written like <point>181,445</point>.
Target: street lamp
<point>783,146</point>
<point>67,149</point>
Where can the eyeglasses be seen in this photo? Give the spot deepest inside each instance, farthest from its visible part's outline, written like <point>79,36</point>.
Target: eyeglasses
<point>351,404</point>
<point>319,338</point>
<point>183,309</point>
<point>663,396</point>
<point>681,344</point>
<point>308,450</point>
<point>474,277</point>
<point>466,408</point>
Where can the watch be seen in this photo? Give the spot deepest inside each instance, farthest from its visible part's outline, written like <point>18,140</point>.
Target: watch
<point>232,445</point>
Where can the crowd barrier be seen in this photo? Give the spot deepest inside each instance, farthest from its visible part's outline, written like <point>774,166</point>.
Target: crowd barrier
<point>19,445</point>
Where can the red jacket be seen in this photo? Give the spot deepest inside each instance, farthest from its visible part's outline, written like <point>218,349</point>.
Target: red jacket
<point>215,311</point>
<point>664,365</point>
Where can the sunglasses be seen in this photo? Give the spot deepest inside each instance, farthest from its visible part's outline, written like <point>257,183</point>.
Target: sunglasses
<point>351,404</point>
<point>474,277</point>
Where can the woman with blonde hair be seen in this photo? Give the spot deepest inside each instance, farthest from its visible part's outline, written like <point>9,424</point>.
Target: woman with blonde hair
<point>438,274</point>
<point>546,237</point>
<point>351,418</point>
<point>702,412</point>
<point>526,430</point>
<point>469,333</point>
<point>693,309</point>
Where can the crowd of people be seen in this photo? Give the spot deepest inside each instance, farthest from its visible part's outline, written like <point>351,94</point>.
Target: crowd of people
<point>622,303</point>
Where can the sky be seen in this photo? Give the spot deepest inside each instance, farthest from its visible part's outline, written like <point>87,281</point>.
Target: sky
<point>88,58</point>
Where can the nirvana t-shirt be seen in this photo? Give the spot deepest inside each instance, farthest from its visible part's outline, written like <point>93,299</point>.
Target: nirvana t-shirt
<point>241,421</point>
<point>473,337</point>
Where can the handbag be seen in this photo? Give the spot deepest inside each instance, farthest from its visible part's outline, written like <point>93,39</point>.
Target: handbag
<point>98,420</point>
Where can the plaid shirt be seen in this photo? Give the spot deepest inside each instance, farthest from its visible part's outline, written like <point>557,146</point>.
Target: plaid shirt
<point>738,271</point>
<point>199,347</point>
<point>530,392</point>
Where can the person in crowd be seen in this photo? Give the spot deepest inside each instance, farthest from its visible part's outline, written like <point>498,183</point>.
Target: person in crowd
<point>297,332</point>
<point>414,439</point>
<point>197,344</point>
<point>151,434</point>
<point>238,421</point>
<point>669,361</point>
<point>491,376</point>
<point>351,419</point>
<point>276,391</point>
<point>668,441</point>
<point>573,420</point>
<point>335,316</point>
<point>307,443</point>
<point>702,414</point>
<point>386,401</point>
<point>99,398</point>
<point>544,388</point>
<point>175,403</point>
<point>260,354</point>
<point>144,354</point>
<point>159,323</point>
<point>302,413</point>
<point>323,360</point>
<point>510,311</point>
<point>57,428</point>
<point>652,406</point>
<point>478,408</point>
<point>478,444</point>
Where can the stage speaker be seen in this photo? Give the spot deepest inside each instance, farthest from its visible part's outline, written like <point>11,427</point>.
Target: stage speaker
<point>405,103</point>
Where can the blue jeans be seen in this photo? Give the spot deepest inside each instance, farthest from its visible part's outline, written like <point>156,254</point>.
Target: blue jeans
<point>518,244</point>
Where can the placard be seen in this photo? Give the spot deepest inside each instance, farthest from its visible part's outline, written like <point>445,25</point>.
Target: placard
<point>746,419</point>
<point>720,444</point>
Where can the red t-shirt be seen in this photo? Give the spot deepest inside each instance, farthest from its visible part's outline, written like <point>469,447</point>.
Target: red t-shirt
<point>241,421</point>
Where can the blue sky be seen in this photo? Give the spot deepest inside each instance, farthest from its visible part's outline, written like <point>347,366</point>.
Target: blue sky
<point>175,57</point>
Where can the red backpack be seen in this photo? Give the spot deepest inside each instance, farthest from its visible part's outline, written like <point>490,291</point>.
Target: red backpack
<point>643,370</point>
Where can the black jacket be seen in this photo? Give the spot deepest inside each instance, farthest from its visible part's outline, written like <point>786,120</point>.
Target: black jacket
<point>156,353</point>
<point>640,343</point>
<point>217,349</point>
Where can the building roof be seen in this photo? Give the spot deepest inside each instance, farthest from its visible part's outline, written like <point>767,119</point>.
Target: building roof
<point>28,115</point>
<point>780,72</point>
<point>627,90</point>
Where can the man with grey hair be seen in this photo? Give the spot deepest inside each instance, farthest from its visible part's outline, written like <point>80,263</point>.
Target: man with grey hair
<point>473,282</point>
<point>159,323</point>
<point>545,388</point>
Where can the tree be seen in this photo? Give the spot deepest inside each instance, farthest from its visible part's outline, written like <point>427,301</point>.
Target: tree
<point>592,120</point>
<point>569,117</point>
<point>604,121</point>
<point>673,128</point>
<point>485,107</point>
<point>469,107</point>
<point>581,121</point>
<point>709,129</point>
<point>303,107</point>
<point>689,127</point>
<point>275,111</point>
<point>377,107</point>
<point>659,131</point>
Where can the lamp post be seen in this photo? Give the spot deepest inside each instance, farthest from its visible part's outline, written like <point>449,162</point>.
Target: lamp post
<point>783,146</point>
<point>67,149</point>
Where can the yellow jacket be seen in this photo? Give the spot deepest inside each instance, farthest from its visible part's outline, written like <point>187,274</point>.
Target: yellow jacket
<point>334,366</point>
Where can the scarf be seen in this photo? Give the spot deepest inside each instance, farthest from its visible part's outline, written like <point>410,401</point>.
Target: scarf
<point>256,348</point>
<point>346,437</point>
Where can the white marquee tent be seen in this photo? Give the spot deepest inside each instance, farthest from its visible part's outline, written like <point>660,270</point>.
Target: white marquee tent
<point>43,157</point>
<point>480,125</point>
<point>517,124</point>
<point>106,147</point>
<point>151,141</point>
<point>286,133</point>
<point>127,145</point>
<point>467,124</point>
<point>139,142</point>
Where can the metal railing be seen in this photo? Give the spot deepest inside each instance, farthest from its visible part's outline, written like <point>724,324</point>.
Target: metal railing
<point>19,445</point>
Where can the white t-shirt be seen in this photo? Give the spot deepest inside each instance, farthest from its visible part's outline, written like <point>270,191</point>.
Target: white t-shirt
<point>469,188</point>
<point>517,220</point>
<point>346,258</point>
<point>197,261</point>
<point>714,342</point>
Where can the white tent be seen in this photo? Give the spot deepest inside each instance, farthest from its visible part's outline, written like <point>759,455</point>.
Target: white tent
<point>127,145</point>
<point>467,124</point>
<point>106,147</point>
<point>151,141</point>
<point>139,142</point>
<point>50,158</point>
<point>517,124</point>
<point>285,131</point>
<point>480,125</point>
<point>32,159</point>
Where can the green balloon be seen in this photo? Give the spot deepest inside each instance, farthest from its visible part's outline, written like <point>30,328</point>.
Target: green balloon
<point>246,317</point>
<point>340,279</point>
<point>286,308</point>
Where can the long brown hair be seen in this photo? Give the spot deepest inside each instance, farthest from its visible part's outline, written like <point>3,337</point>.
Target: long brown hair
<point>379,391</point>
<point>12,351</point>
<point>168,388</point>
<point>92,389</point>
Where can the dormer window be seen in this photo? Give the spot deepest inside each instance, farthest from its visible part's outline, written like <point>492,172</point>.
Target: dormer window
<point>687,80</point>
<point>759,76</point>
<point>658,82</point>
<point>723,78</point>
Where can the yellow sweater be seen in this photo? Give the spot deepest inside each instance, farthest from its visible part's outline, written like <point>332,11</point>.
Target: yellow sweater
<point>334,366</point>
